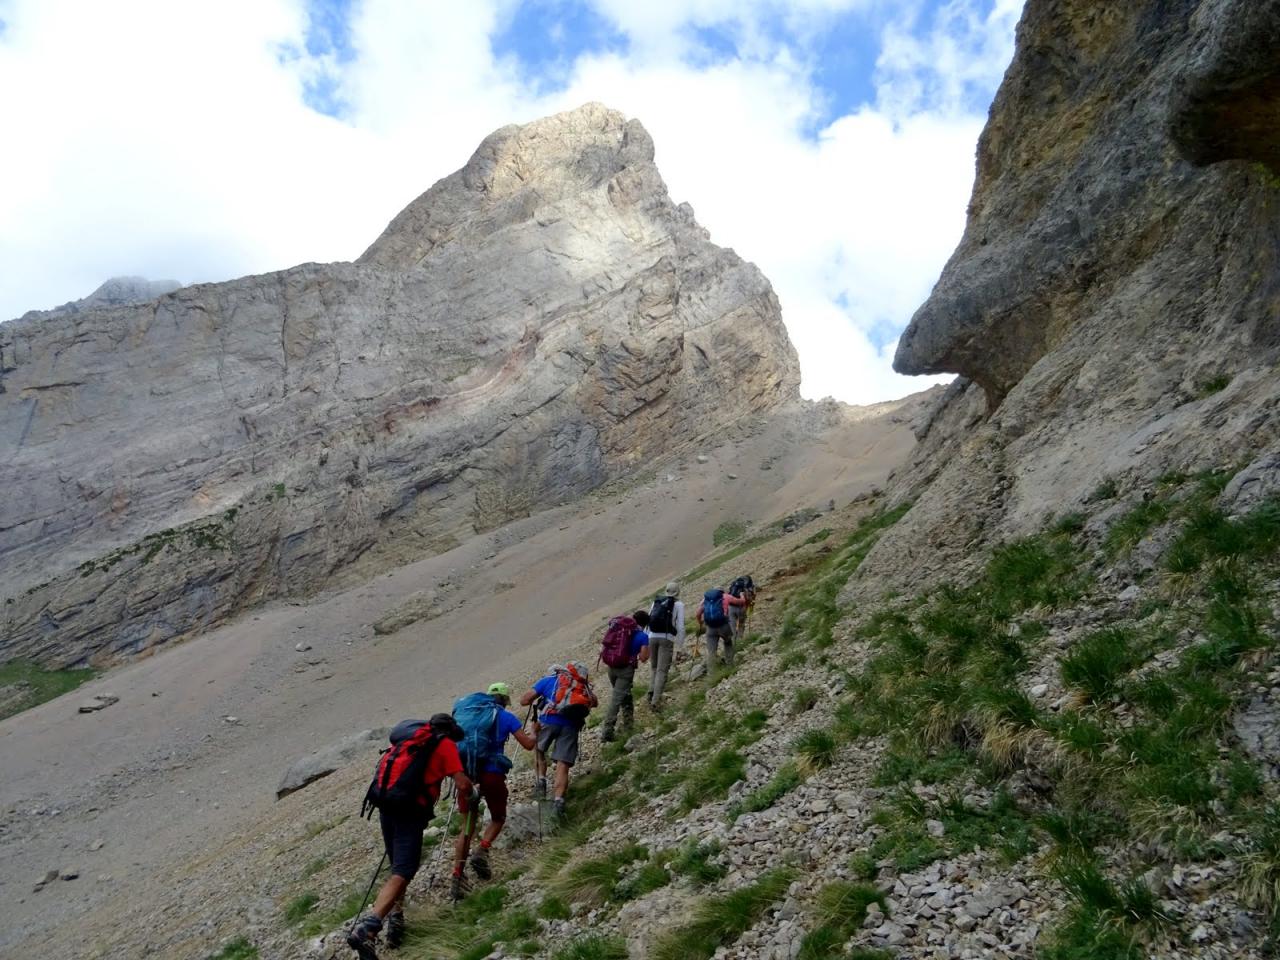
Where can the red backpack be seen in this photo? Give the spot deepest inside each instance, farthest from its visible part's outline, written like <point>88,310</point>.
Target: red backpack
<point>399,782</point>
<point>615,648</point>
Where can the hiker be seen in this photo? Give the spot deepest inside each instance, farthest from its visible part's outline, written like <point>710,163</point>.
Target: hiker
<point>714,615</point>
<point>745,588</point>
<point>666,635</point>
<point>486,724</point>
<point>539,758</point>
<point>405,788</point>
<point>625,645</point>
<point>569,698</point>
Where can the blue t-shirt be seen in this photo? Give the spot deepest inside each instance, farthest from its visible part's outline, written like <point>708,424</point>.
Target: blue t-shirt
<point>546,689</point>
<point>639,640</point>
<point>508,723</point>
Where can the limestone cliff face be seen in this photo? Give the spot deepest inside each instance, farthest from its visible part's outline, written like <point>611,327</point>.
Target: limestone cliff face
<point>535,324</point>
<point>1114,305</point>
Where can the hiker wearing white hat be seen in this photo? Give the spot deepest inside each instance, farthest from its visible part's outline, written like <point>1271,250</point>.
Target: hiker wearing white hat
<point>666,636</point>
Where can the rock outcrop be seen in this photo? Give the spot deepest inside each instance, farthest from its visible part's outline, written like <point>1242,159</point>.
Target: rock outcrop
<point>116,292</point>
<point>1112,306</point>
<point>535,324</point>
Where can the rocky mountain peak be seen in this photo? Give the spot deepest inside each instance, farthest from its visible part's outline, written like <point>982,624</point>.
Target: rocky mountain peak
<point>538,323</point>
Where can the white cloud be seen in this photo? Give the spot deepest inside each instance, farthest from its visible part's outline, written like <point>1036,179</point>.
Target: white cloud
<point>171,140</point>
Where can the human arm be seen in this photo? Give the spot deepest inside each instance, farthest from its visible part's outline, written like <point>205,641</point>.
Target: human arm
<point>678,615</point>
<point>732,601</point>
<point>528,697</point>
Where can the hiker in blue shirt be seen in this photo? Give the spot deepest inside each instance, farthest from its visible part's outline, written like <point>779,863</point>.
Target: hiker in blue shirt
<point>626,644</point>
<point>484,749</point>
<point>565,698</point>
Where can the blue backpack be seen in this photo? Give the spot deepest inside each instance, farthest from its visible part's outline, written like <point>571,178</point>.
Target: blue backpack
<point>713,608</point>
<point>477,715</point>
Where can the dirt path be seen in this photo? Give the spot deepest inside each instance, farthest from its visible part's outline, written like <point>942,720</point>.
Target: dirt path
<point>161,774</point>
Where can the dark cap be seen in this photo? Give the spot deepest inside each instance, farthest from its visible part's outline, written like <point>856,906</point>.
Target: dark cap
<point>445,723</point>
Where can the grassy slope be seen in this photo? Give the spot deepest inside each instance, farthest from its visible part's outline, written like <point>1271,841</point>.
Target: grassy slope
<point>1140,767</point>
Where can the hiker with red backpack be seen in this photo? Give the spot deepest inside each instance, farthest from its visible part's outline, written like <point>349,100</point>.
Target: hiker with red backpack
<point>486,724</point>
<point>404,791</point>
<point>625,645</point>
<point>568,698</point>
<point>666,634</point>
<point>714,615</point>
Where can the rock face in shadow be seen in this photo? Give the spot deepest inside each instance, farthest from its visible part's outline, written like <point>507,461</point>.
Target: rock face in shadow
<point>541,321</point>
<point>1082,199</point>
<point>1114,304</point>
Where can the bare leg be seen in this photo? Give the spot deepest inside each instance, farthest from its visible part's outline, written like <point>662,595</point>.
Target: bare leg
<point>392,892</point>
<point>562,779</point>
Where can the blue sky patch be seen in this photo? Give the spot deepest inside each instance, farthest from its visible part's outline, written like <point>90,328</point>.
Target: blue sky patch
<point>546,36</point>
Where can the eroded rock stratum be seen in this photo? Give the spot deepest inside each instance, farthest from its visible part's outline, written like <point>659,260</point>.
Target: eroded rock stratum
<point>535,324</point>
<point>1114,305</point>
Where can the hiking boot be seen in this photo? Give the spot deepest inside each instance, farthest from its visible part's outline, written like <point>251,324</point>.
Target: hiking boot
<point>606,736</point>
<point>458,888</point>
<point>480,863</point>
<point>395,928</point>
<point>557,807</point>
<point>363,937</point>
<point>540,788</point>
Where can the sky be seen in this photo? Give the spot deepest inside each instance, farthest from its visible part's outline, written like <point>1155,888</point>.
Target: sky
<point>831,142</point>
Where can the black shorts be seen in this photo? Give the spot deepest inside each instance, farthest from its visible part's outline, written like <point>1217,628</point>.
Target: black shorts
<point>402,838</point>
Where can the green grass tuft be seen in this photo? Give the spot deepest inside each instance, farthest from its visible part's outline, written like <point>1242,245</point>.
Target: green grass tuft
<point>594,948</point>
<point>783,782</point>
<point>713,779</point>
<point>237,949</point>
<point>299,907</point>
<point>815,749</point>
<point>728,532</point>
<point>1097,662</point>
<point>721,920</point>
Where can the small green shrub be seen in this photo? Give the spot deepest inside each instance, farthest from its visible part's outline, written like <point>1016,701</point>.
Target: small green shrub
<point>1135,525</point>
<point>1211,385</point>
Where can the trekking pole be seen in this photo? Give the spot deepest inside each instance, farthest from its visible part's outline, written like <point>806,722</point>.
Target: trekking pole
<point>372,880</point>
<point>444,843</point>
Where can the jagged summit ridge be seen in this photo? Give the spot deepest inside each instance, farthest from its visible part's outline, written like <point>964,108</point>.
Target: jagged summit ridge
<point>533,325</point>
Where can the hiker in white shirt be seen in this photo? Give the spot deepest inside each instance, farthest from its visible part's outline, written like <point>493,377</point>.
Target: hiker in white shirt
<point>666,635</point>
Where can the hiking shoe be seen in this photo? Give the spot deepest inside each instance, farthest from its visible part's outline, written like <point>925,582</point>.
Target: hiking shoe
<point>557,807</point>
<point>606,736</point>
<point>540,788</point>
<point>480,863</point>
<point>458,888</point>
<point>395,928</point>
<point>363,936</point>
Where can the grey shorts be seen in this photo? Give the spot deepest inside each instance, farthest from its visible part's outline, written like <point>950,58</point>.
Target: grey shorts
<point>559,742</point>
